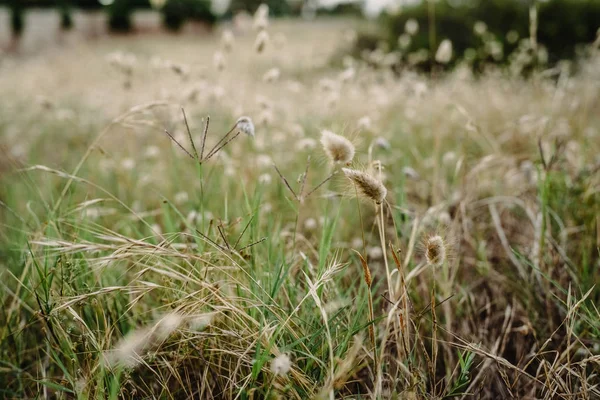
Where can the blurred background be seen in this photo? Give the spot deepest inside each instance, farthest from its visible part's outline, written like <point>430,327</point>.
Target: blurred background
<point>480,31</point>
<point>477,116</point>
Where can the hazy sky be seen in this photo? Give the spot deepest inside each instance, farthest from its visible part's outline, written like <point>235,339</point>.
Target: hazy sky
<point>372,7</point>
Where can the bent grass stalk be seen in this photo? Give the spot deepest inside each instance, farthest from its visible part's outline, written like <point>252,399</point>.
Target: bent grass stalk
<point>369,282</point>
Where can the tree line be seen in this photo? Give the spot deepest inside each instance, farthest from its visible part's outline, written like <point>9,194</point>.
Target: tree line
<point>174,12</point>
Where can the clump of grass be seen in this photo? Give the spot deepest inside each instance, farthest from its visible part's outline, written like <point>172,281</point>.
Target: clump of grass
<point>89,258</point>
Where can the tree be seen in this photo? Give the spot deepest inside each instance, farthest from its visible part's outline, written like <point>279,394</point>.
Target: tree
<point>17,18</point>
<point>66,17</point>
<point>176,12</point>
<point>119,19</point>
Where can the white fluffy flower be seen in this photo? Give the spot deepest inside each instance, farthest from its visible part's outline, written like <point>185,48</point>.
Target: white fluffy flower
<point>444,52</point>
<point>246,125</point>
<point>281,365</point>
<point>411,27</point>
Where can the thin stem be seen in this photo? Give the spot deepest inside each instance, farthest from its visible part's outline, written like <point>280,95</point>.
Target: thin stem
<point>210,240</point>
<point>369,282</point>
<point>383,248</point>
<point>244,231</point>
<point>204,137</point>
<point>372,327</point>
<point>321,184</point>
<point>434,347</point>
<point>302,184</point>
<point>362,227</point>
<point>253,244</point>
<point>285,181</point>
<point>403,316</point>
<point>223,237</point>
<point>212,153</point>
<point>431,18</point>
<point>178,144</point>
<point>189,132</point>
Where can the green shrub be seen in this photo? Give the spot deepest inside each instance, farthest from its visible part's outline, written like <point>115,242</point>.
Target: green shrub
<point>176,12</point>
<point>563,25</point>
<point>119,19</point>
<point>566,23</point>
<point>199,10</point>
<point>66,18</point>
<point>276,7</point>
<point>346,9</point>
<point>17,18</point>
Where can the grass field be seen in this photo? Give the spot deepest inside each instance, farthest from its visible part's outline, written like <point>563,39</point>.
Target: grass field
<point>463,264</point>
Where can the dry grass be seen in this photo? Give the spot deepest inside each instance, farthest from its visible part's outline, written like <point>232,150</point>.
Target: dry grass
<point>129,269</point>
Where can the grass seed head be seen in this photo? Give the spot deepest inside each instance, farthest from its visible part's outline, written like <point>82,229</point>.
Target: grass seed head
<point>261,41</point>
<point>219,61</point>
<point>261,17</point>
<point>272,75</point>
<point>281,365</point>
<point>443,54</point>
<point>201,322</point>
<point>411,27</point>
<point>245,125</point>
<point>338,148</point>
<point>130,350</point>
<point>480,28</point>
<point>166,325</point>
<point>368,186</point>
<point>435,250</point>
<point>404,41</point>
<point>227,40</point>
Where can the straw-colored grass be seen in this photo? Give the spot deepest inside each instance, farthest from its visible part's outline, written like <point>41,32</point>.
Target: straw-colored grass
<point>130,268</point>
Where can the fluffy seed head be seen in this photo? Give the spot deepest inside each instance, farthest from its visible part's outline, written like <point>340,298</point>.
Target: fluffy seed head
<point>261,17</point>
<point>227,40</point>
<point>383,143</point>
<point>370,187</point>
<point>435,250</point>
<point>261,41</point>
<point>480,28</point>
<point>444,52</point>
<point>200,322</point>
<point>130,350</point>
<point>404,41</point>
<point>347,74</point>
<point>272,75</point>
<point>281,365</point>
<point>310,224</point>
<point>245,125</point>
<point>338,148</point>
<point>411,27</point>
<point>166,325</point>
<point>219,61</point>
<point>365,123</point>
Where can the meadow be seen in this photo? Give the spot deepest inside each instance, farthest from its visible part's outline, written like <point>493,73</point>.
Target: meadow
<point>247,215</point>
